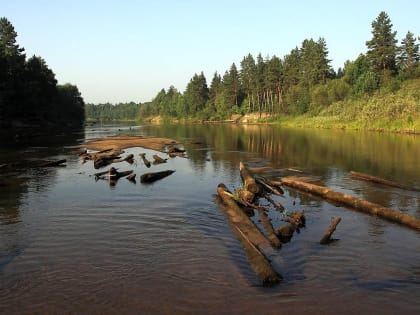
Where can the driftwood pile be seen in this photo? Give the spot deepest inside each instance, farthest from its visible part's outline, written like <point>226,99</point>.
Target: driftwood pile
<point>113,155</point>
<point>240,205</point>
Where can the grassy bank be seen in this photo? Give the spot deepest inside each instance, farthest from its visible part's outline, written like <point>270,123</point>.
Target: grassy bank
<point>384,111</point>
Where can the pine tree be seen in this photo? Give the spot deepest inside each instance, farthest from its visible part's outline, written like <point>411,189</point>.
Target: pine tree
<point>408,56</point>
<point>382,48</point>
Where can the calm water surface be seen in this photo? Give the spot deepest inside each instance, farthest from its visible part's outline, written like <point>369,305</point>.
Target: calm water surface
<point>70,244</point>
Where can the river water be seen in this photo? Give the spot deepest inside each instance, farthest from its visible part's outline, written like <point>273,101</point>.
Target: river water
<point>70,244</point>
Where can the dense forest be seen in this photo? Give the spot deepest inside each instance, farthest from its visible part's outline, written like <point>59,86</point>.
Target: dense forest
<point>303,83</point>
<point>29,93</point>
<point>109,112</point>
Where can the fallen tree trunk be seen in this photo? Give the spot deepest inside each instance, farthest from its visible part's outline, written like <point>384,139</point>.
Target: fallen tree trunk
<point>238,216</point>
<point>249,182</point>
<point>382,181</point>
<point>355,203</point>
<point>158,159</point>
<point>145,161</point>
<point>272,236</point>
<point>327,236</point>
<point>152,177</point>
<point>258,261</point>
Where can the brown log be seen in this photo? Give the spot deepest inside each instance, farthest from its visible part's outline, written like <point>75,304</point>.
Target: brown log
<point>128,158</point>
<point>132,177</point>
<point>258,261</point>
<point>145,161</point>
<point>237,215</point>
<point>266,222</point>
<point>249,181</point>
<point>327,236</point>
<point>271,188</point>
<point>246,195</point>
<point>152,177</point>
<point>382,181</point>
<point>355,203</point>
<point>158,159</point>
<point>285,232</point>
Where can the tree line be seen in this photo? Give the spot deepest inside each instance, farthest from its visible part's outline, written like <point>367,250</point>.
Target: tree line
<point>300,82</point>
<point>108,112</point>
<point>29,93</point>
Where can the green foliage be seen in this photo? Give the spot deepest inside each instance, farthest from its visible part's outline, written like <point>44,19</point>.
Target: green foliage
<point>119,112</point>
<point>408,55</point>
<point>382,48</point>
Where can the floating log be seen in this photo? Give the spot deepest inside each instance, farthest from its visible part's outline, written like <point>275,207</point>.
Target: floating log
<point>271,188</point>
<point>355,203</point>
<point>175,150</point>
<point>285,232</point>
<point>152,177</point>
<point>129,158</point>
<point>158,159</point>
<point>382,181</point>
<point>327,236</point>
<point>249,181</point>
<point>259,263</point>
<point>145,161</point>
<point>266,222</point>
<point>252,240</point>
<point>238,216</point>
<point>132,177</point>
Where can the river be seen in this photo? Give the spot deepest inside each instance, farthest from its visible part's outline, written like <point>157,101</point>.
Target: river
<point>70,244</point>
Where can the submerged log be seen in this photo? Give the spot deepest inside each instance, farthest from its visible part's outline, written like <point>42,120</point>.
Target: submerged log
<point>129,158</point>
<point>285,232</point>
<point>249,181</point>
<point>152,177</point>
<point>355,203</point>
<point>269,186</point>
<point>132,177</point>
<point>259,263</point>
<point>266,222</point>
<point>238,216</point>
<point>145,161</point>
<point>327,236</point>
<point>158,159</point>
<point>382,181</point>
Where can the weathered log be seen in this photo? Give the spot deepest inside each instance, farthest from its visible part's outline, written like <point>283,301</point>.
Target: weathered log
<point>175,150</point>
<point>158,159</point>
<point>271,188</point>
<point>246,195</point>
<point>129,158</point>
<point>132,177</point>
<point>237,215</point>
<point>355,203</point>
<point>266,222</point>
<point>249,181</point>
<point>53,163</point>
<point>285,232</point>
<point>382,181</point>
<point>327,236</point>
<point>152,177</point>
<point>297,218</point>
<point>113,174</point>
<point>258,261</point>
<point>276,204</point>
<point>145,161</point>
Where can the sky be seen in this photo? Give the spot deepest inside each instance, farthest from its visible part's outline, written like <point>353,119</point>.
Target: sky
<point>123,51</point>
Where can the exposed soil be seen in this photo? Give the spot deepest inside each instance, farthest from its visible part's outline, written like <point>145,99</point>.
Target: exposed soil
<point>124,142</point>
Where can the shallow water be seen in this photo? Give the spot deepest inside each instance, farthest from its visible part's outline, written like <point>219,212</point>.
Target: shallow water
<point>70,244</point>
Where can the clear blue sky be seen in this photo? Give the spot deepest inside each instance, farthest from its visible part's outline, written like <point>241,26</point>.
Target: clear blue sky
<point>119,51</point>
